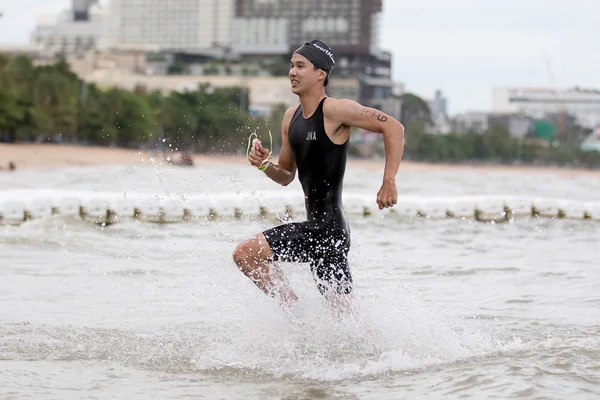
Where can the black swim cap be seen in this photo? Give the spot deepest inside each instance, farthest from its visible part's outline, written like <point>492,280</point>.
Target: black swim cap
<point>319,54</point>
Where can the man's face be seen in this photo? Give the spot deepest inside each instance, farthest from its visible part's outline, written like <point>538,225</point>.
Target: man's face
<point>303,75</point>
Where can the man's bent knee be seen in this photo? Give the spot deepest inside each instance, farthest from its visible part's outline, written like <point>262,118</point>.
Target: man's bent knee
<point>250,252</point>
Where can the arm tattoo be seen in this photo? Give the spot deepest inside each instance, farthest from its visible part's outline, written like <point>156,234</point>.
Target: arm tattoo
<point>374,114</point>
<point>381,118</point>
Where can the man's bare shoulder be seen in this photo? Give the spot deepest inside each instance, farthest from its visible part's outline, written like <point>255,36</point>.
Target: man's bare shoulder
<point>333,104</point>
<point>287,116</point>
<point>334,107</point>
<point>290,111</point>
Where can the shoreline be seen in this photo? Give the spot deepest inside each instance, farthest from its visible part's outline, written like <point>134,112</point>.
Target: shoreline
<point>54,156</point>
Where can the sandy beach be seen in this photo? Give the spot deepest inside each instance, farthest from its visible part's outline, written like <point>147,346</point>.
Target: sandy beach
<point>45,155</point>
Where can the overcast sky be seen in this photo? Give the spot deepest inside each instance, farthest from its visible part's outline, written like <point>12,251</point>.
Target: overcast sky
<point>463,47</point>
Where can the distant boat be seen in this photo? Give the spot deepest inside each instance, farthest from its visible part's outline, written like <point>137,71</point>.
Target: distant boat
<point>184,160</point>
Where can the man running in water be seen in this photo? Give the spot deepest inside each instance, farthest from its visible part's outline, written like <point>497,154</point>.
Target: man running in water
<point>314,142</point>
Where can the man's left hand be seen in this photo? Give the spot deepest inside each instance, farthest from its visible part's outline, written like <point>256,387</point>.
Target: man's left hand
<point>388,194</point>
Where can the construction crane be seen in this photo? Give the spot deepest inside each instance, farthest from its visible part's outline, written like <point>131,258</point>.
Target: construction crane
<point>561,108</point>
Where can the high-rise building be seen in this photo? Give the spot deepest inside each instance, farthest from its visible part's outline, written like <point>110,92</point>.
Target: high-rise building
<point>583,104</point>
<point>438,107</point>
<point>186,26</point>
<point>350,27</point>
<point>72,32</point>
<point>439,104</point>
<point>81,9</point>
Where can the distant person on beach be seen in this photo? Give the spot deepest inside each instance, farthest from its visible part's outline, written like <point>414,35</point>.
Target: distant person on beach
<point>314,142</point>
<point>186,159</point>
<point>11,166</point>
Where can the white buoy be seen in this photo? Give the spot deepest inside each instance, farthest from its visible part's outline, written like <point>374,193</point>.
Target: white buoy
<point>122,207</point>
<point>171,209</point>
<point>435,208</point>
<point>13,211</point>
<point>489,208</point>
<point>148,209</point>
<point>199,207</point>
<point>354,205</point>
<point>224,206</point>
<point>544,207</point>
<point>67,206</point>
<point>94,209</point>
<point>519,206</point>
<point>592,210</point>
<point>462,208</point>
<point>404,208</point>
<point>571,209</point>
<point>39,208</point>
<point>247,206</point>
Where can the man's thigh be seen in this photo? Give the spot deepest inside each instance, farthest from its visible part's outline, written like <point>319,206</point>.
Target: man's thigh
<point>292,242</point>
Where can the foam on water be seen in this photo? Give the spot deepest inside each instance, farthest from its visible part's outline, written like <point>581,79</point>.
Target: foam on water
<point>241,331</point>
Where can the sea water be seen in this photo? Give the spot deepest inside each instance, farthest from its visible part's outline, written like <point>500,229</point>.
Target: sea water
<point>442,308</point>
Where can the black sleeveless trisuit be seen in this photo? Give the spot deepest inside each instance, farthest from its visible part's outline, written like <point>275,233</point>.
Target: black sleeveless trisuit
<point>323,240</point>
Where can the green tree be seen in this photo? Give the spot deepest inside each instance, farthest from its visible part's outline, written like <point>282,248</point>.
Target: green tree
<point>94,122</point>
<point>11,113</point>
<point>501,146</point>
<point>178,122</point>
<point>132,121</point>
<point>273,124</point>
<point>16,77</point>
<point>414,110</point>
<point>56,100</point>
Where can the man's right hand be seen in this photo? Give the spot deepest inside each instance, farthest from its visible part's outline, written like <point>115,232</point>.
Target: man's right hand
<point>259,155</point>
